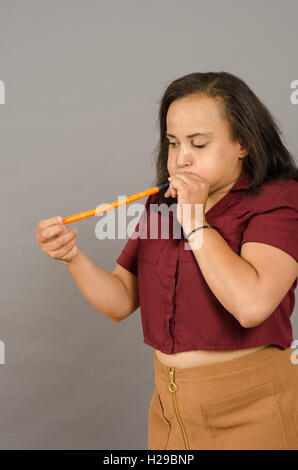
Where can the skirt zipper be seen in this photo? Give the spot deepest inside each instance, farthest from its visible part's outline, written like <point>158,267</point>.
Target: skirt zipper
<point>172,388</point>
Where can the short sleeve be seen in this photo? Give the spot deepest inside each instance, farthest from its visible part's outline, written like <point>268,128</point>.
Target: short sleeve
<point>129,255</point>
<point>277,223</point>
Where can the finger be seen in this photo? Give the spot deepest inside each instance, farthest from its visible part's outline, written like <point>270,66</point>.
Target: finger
<point>49,222</point>
<point>176,185</point>
<point>184,178</point>
<point>171,191</point>
<point>51,232</point>
<point>64,250</point>
<point>69,254</point>
<point>61,241</point>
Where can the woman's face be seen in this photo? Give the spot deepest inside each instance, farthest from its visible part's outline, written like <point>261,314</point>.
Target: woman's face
<point>217,159</point>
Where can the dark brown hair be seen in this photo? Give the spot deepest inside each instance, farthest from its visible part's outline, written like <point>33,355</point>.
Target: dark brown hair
<point>249,122</point>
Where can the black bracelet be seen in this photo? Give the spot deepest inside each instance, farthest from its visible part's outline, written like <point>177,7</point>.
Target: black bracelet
<point>198,228</point>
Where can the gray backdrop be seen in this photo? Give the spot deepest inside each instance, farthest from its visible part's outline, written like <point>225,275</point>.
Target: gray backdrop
<point>78,128</point>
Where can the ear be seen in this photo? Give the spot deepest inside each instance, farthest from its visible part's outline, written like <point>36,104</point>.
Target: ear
<point>243,150</point>
<point>243,153</point>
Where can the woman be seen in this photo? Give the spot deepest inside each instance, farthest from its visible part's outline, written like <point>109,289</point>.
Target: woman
<point>218,315</point>
<point>216,299</point>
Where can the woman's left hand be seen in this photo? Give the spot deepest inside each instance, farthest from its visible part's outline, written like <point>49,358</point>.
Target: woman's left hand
<point>193,190</point>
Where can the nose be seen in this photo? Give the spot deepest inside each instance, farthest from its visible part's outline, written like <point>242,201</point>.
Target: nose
<point>184,157</point>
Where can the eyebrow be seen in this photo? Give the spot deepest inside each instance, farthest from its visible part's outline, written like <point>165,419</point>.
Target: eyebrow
<point>192,135</point>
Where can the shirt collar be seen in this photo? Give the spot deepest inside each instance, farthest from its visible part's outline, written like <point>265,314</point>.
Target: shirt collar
<point>243,183</point>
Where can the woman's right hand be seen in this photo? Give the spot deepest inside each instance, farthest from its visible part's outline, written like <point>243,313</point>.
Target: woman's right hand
<point>56,239</point>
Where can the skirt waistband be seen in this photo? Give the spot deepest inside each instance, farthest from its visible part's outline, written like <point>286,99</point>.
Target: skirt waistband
<point>222,367</point>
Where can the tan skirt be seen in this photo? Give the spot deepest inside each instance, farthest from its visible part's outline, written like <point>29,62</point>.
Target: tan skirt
<point>250,402</point>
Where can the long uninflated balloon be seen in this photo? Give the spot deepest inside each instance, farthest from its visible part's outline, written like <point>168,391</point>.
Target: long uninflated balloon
<point>114,205</point>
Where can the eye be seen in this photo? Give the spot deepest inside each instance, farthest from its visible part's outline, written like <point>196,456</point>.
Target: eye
<point>197,146</point>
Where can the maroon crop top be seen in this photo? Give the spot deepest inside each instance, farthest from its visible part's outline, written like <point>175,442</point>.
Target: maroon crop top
<point>179,312</point>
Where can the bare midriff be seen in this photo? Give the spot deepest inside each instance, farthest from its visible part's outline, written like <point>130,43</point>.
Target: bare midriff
<point>200,357</point>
